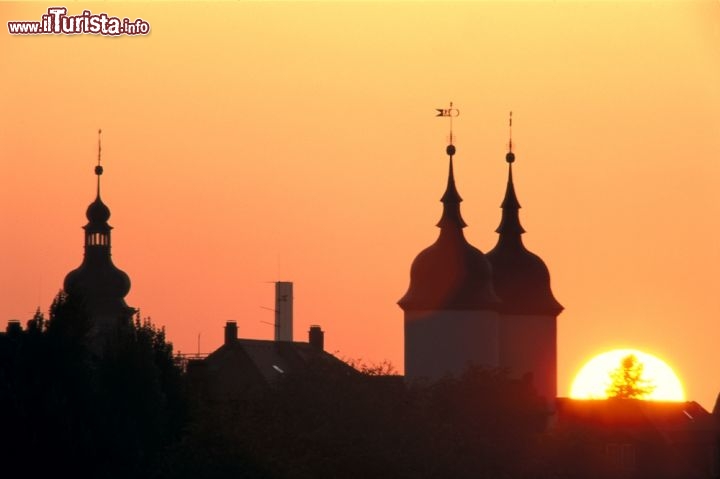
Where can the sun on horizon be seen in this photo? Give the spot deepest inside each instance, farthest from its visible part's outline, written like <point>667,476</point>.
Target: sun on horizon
<point>595,377</point>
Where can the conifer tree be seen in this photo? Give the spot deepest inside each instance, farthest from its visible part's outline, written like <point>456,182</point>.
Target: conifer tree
<point>627,380</point>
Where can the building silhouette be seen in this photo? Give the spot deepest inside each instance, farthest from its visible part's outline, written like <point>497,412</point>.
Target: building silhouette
<point>528,310</point>
<point>451,309</point>
<point>494,310</point>
<point>243,368</point>
<point>639,439</point>
<point>462,307</point>
<point>97,283</point>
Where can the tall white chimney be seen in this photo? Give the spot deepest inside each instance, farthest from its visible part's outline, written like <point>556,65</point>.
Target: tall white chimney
<point>283,311</point>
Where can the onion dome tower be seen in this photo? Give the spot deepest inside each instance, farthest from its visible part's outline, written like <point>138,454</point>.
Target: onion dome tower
<point>97,282</point>
<point>528,332</point>
<point>450,307</point>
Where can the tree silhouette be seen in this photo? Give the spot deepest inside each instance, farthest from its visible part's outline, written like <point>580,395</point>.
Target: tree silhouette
<point>382,368</point>
<point>627,381</point>
<point>68,411</point>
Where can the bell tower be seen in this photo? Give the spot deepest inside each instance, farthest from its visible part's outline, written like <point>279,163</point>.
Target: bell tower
<point>528,312</point>
<point>97,282</point>
<point>450,307</point>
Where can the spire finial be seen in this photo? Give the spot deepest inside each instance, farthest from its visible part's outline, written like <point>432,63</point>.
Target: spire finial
<point>99,168</point>
<point>451,218</point>
<point>510,157</point>
<point>450,113</point>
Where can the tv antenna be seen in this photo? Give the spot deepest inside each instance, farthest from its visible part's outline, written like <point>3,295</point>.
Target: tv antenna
<point>275,326</point>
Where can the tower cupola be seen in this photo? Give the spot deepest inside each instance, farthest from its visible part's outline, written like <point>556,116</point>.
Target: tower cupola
<point>451,274</point>
<point>521,278</point>
<point>97,282</point>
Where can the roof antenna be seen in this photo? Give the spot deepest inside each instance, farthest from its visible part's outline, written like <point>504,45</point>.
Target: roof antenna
<point>449,112</point>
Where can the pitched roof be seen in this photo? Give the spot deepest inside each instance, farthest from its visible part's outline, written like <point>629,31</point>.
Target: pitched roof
<point>267,361</point>
<point>674,421</point>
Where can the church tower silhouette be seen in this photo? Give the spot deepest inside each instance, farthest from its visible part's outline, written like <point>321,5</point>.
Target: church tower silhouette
<point>493,310</point>
<point>450,308</point>
<point>97,283</point>
<point>528,311</point>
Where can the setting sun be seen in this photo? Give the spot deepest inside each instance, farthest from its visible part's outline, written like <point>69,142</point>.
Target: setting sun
<point>595,377</point>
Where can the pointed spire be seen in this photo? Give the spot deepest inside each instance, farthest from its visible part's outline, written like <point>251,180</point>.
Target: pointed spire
<point>99,168</point>
<point>521,278</point>
<point>510,223</point>
<point>451,199</point>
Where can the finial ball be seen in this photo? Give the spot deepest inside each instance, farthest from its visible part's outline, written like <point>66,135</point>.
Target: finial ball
<point>450,150</point>
<point>510,157</point>
<point>98,170</point>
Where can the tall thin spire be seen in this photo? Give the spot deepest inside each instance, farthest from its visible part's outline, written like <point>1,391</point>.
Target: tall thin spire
<point>451,199</point>
<point>510,224</point>
<point>99,168</point>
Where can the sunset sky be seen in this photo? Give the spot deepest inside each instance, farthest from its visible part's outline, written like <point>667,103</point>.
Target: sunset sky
<point>250,142</point>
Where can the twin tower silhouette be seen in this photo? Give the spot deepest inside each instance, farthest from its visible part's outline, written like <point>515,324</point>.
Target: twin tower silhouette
<point>493,310</point>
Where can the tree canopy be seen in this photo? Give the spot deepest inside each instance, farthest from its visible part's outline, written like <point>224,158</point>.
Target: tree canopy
<point>70,411</point>
<point>627,380</point>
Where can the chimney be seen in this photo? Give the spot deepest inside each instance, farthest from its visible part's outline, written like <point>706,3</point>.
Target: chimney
<point>13,327</point>
<point>230,332</point>
<point>316,338</point>
<point>283,311</point>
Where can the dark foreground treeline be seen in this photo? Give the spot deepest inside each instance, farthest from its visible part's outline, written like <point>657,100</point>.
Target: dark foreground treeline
<point>68,413</point>
<point>65,412</point>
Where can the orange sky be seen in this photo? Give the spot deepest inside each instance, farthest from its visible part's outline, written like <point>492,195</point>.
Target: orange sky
<point>249,142</point>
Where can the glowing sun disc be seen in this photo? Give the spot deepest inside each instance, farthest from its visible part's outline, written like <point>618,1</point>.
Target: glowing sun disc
<point>593,379</point>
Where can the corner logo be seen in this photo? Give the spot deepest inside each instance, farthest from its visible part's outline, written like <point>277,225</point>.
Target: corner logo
<point>58,22</point>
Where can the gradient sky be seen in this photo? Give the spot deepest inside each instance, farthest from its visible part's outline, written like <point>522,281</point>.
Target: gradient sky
<point>250,142</point>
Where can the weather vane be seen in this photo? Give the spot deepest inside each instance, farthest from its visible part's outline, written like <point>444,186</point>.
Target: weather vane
<point>450,113</point>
